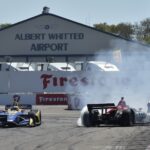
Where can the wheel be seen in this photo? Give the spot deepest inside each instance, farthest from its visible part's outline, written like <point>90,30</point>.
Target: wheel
<point>4,125</point>
<point>126,119</point>
<point>31,122</point>
<point>32,119</point>
<point>86,120</point>
<point>35,115</point>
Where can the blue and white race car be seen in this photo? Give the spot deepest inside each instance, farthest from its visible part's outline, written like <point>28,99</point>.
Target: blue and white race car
<point>22,115</point>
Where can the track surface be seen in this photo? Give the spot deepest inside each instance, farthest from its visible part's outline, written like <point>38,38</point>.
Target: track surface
<point>60,132</point>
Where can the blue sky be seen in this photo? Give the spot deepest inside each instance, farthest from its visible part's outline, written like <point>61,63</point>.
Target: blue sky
<point>87,12</point>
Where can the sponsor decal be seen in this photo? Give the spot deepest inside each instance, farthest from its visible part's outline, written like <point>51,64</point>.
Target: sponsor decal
<point>51,99</point>
<point>50,79</point>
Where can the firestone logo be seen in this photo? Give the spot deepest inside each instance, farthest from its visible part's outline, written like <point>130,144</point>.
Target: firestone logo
<point>49,79</point>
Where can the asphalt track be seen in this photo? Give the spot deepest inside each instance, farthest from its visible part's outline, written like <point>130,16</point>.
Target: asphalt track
<point>60,132</point>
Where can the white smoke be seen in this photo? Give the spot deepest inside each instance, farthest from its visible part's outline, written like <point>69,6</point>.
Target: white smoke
<point>131,82</point>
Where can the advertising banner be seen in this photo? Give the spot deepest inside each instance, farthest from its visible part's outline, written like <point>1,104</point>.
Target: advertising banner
<point>48,81</point>
<point>51,99</point>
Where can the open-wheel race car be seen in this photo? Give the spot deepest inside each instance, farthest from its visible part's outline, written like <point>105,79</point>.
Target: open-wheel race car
<point>22,115</point>
<point>109,114</point>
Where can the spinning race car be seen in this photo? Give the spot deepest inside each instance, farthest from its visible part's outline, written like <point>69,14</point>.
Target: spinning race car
<point>108,113</point>
<point>22,115</point>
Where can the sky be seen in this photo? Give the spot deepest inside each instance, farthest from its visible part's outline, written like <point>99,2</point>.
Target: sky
<point>87,12</point>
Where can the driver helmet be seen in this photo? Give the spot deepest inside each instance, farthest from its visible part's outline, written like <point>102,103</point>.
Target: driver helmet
<point>16,97</point>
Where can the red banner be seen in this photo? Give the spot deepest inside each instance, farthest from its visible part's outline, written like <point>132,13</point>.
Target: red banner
<point>51,99</point>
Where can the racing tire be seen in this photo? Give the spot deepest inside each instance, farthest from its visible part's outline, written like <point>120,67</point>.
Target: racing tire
<point>32,119</point>
<point>126,119</point>
<point>36,119</point>
<point>4,125</point>
<point>31,122</point>
<point>86,120</point>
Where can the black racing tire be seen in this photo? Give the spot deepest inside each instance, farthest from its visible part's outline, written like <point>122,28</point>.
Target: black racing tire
<point>86,120</point>
<point>33,124</point>
<point>126,119</point>
<point>32,116</point>
<point>4,125</point>
<point>33,111</point>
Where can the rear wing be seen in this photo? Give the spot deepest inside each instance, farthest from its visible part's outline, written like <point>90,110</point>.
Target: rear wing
<point>21,106</point>
<point>100,106</point>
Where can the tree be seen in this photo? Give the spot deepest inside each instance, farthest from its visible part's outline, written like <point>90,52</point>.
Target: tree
<point>123,29</point>
<point>4,25</point>
<point>145,30</point>
<point>103,27</point>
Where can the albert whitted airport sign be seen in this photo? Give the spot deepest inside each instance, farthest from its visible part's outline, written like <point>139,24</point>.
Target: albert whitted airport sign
<point>48,34</point>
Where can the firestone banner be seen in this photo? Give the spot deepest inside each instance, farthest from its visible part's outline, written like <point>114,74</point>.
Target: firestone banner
<point>58,81</point>
<point>39,82</point>
<point>51,99</point>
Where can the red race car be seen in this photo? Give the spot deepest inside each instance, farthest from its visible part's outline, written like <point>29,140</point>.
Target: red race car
<point>108,113</point>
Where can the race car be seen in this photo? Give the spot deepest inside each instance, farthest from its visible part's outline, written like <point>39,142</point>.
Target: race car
<point>109,114</point>
<point>22,115</point>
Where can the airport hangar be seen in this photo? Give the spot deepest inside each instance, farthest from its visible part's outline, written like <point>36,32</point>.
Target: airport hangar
<point>51,38</point>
